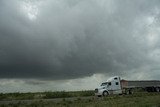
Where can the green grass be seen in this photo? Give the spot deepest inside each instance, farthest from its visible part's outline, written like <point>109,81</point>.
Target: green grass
<point>45,95</point>
<point>64,94</point>
<point>139,99</point>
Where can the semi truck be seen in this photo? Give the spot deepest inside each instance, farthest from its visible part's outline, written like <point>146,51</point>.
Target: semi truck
<point>116,85</point>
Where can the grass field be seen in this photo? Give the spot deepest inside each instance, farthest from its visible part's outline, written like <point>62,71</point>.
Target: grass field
<point>139,99</point>
<point>45,95</point>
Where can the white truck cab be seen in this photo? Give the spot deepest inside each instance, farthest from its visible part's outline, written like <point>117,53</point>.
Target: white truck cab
<point>111,86</point>
<point>115,85</point>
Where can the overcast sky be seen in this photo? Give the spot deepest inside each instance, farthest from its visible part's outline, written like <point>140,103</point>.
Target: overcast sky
<point>77,44</point>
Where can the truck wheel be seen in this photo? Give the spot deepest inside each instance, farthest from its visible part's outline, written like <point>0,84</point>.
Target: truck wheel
<point>127,92</point>
<point>131,91</point>
<point>105,93</point>
<point>157,89</point>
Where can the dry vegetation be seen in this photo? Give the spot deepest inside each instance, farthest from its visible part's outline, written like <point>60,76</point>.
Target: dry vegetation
<point>138,99</point>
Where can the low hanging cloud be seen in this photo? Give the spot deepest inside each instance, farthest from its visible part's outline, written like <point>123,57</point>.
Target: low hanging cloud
<point>66,39</point>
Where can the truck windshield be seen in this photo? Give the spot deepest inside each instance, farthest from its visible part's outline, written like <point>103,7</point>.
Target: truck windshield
<point>103,84</point>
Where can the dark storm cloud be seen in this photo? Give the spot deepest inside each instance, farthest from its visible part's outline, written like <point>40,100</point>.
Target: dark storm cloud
<point>62,39</point>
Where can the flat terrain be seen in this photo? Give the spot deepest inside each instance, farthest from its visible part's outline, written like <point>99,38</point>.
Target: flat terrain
<point>138,99</point>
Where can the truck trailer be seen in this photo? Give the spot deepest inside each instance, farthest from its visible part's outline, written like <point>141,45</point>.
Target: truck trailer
<point>116,85</point>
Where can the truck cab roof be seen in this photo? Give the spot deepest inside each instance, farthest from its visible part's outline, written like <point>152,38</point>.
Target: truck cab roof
<point>113,78</point>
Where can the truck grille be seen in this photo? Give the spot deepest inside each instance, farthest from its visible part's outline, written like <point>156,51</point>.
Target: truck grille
<point>96,90</point>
